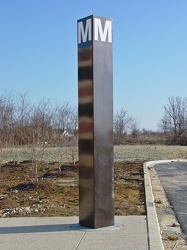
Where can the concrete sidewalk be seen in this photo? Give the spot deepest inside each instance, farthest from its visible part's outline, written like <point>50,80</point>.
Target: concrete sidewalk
<point>129,232</point>
<point>64,233</point>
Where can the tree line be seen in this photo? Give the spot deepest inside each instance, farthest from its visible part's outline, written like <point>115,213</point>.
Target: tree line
<point>172,127</point>
<point>23,123</point>
<point>174,121</point>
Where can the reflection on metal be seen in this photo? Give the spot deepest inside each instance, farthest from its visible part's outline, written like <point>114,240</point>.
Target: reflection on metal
<point>95,92</point>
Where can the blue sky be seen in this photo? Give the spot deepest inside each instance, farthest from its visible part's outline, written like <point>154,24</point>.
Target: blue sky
<point>38,51</point>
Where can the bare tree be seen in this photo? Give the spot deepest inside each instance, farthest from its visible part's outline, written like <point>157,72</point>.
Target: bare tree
<point>65,132</point>
<point>6,120</point>
<point>174,120</point>
<point>41,123</point>
<point>123,124</point>
<point>38,134</point>
<point>134,129</point>
<point>73,121</point>
<point>22,114</point>
<point>70,145</point>
<point>61,117</point>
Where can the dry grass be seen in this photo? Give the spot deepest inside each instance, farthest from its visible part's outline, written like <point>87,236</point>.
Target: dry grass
<point>127,153</point>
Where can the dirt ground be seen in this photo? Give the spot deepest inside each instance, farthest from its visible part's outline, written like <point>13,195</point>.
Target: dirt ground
<point>56,192</point>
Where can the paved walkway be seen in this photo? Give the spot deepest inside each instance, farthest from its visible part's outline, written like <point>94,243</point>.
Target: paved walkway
<point>63,233</point>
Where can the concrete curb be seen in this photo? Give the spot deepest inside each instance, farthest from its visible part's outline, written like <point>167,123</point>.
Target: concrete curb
<point>153,228</point>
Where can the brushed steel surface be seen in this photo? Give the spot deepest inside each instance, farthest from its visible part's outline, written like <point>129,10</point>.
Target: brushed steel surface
<point>86,142</point>
<point>96,170</point>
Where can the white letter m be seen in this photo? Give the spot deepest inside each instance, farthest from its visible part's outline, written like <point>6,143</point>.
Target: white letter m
<point>84,35</point>
<point>103,32</point>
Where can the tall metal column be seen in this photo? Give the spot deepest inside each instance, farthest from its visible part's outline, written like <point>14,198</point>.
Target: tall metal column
<point>95,91</point>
